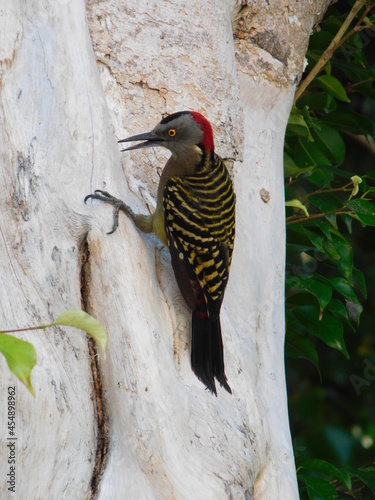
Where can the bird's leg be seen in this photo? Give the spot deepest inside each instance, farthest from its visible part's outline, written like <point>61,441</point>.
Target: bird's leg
<point>143,222</point>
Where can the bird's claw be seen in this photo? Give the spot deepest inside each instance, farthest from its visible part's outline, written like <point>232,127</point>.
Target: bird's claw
<point>112,200</point>
<point>103,196</point>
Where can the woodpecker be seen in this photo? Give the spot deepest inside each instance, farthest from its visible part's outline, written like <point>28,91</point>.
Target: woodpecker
<point>195,217</point>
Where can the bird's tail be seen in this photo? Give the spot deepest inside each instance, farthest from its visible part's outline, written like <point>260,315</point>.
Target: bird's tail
<point>207,355</point>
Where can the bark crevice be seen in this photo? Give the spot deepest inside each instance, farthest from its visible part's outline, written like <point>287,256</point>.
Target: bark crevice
<point>100,405</point>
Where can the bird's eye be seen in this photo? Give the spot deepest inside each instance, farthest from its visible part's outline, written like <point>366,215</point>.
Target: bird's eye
<point>171,132</point>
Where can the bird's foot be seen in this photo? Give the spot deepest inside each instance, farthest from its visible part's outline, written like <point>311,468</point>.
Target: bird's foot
<point>115,202</point>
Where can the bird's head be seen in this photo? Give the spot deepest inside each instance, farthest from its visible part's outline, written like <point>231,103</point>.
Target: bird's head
<point>182,133</point>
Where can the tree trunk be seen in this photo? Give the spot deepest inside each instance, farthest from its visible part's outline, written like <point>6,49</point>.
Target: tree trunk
<point>140,425</point>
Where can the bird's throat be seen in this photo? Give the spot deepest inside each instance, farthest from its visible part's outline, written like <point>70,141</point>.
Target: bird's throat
<point>188,158</point>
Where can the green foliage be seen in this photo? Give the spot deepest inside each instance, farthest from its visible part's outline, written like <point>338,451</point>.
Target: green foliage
<point>325,481</point>
<point>83,321</point>
<point>21,355</point>
<point>324,199</point>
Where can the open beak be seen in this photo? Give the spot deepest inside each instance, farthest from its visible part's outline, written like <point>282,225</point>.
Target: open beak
<point>150,141</point>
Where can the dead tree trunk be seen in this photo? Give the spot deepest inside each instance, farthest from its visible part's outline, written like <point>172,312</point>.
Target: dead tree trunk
<point>140,425</point>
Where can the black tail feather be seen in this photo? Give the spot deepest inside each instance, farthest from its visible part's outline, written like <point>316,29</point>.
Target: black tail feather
<point>207,356</point>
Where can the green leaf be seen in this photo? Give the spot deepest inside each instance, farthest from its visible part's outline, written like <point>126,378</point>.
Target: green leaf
<point>348,220</point>
<point>345,251</point>
<point>366,476</point>
<point>342,286</point>
<point>337,307</point>
<point>332,86</point>
<point>316,239</point>
<point>326,202</point>
<point>364,210</point>
<point>297,125</point>
<point>332,219</point>
<point>297,204</point>
<point>308,154</point>
<point>321,291</point>
<point>327,228</point>
<point>361,281</point>
<point>336,246</point>
<point>20,356</point>
<point>321,176</point>
<point>320,102</point>
<point>82,320</point>
<point>324,227</point>
<point>317,488</point>
<point>290,167</point>
<point>328,470</point>
<point>329,141</point>
<point>331,250</point>
<point>349,121</point>
<point>300,347</point>
<point>327,329</point>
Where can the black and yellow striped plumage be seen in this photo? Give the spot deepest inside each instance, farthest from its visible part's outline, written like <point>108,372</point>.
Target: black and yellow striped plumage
<point>199,217</point>
<point>195,216</point>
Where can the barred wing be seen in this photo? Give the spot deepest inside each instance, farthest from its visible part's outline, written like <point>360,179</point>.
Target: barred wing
<point>199,220</point>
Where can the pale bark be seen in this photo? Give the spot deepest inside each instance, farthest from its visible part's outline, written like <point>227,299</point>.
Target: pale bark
<point>142,426</point>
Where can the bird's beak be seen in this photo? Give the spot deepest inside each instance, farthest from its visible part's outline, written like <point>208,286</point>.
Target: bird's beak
<point>149,138</point>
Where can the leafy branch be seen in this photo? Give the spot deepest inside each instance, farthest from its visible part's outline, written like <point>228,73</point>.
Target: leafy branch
<point>294,219</point>
<point>324,191</point>
<point>336,42</point>
<point>20,355</point>
<point>314,148</point>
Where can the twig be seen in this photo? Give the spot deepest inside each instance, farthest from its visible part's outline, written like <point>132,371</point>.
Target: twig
<point>26,329</point>
<point>295,219</point>
<point>321,191</point>
<point>327,54</point>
